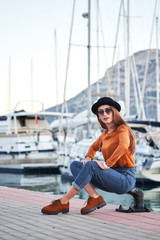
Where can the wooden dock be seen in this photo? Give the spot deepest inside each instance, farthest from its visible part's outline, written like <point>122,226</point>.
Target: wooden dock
<point>21,219</point>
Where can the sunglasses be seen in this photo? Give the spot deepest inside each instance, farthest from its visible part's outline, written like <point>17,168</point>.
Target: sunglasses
<point>106,110</point>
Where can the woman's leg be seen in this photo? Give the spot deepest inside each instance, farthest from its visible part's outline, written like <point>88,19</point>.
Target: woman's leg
<point>70,194</point>
<point>73,191</point>
<point>108,180</point>
<point>82,173</point>
<point>91,191</point>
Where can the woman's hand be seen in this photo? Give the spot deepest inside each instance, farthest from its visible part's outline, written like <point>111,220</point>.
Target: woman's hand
<point>86,160</point>
<point>101,164</point>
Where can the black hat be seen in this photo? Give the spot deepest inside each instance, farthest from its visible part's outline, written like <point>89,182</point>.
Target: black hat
<point>105,101</point>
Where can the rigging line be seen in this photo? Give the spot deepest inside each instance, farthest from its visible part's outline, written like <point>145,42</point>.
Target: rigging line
<point>123,15</point>
<point>118,72</point>
<point>103,40</point>
<point>68,56</point>
<point>103,46</point>
<point>110,77</point>
<point>79,45</point>
<point>124,27</point>
<point>141,108</point>
<point>134,85</point>
<point>148,53</point>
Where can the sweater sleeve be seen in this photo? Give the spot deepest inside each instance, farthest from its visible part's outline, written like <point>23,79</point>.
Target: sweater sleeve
<point>123,145</point>
<point>95,146</point>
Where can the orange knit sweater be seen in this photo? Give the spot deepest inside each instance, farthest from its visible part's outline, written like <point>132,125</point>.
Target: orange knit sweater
<point>115,148</point>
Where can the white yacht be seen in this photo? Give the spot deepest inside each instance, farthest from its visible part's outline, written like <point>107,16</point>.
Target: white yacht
<point>27,135</point>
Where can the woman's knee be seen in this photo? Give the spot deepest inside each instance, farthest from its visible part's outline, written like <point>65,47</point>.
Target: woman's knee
<point>75,166</point>
<point>91,164</point>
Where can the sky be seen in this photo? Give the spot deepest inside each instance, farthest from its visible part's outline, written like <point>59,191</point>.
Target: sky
<point>34,45</point>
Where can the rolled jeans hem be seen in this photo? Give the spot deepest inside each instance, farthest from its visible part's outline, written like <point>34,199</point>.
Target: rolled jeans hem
<point>76,186</point>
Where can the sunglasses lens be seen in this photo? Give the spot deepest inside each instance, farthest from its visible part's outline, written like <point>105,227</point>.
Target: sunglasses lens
<point>108,110</point>
<point>101,112</point>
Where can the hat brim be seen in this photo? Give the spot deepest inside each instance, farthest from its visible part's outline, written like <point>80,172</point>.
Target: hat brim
<point>105,101</point>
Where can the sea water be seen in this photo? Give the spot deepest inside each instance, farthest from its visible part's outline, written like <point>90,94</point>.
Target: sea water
<point>56,185</point>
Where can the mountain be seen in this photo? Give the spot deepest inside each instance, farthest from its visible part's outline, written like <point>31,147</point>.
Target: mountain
<point>138,65</point>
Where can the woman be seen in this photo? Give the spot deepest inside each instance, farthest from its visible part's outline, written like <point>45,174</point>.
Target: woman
<point>117,172</point>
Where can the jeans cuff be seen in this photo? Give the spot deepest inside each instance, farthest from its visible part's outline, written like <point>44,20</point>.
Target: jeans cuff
<point>76,186</point>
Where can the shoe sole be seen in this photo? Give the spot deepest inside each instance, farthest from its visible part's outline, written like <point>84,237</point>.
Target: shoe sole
<point>100,205</point>
<point>54,213</point>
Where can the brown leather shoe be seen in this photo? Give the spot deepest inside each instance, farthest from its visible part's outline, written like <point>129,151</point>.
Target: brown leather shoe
<point>92,204</point>
<point>55,207</point>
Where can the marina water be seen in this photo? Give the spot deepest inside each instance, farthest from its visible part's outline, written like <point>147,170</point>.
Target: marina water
<point>55,184</point>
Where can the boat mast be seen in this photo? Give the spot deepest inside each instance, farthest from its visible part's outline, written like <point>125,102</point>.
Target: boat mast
<point>9,84</point>
<point>88,16</point>
<point>98,81</point>
<point>55,48</point>
<point>32,84</point>
<point>157,73</point>
<point>128,63</point>
<point>89,47</point>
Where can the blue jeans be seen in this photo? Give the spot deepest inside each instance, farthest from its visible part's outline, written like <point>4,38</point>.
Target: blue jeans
<point>118,180</point>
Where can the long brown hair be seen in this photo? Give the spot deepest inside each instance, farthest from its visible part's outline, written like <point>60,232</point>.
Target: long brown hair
<point>118,120</point>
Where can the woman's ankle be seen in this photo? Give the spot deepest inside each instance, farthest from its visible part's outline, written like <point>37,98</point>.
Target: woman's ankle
<point>63,201</point>
<point>95,196</point>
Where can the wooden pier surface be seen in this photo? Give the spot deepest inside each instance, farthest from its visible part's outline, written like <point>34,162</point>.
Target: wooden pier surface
<point>21,219</point>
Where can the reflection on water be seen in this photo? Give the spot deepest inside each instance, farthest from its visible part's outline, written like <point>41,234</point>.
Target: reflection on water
<point>54,184</point>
